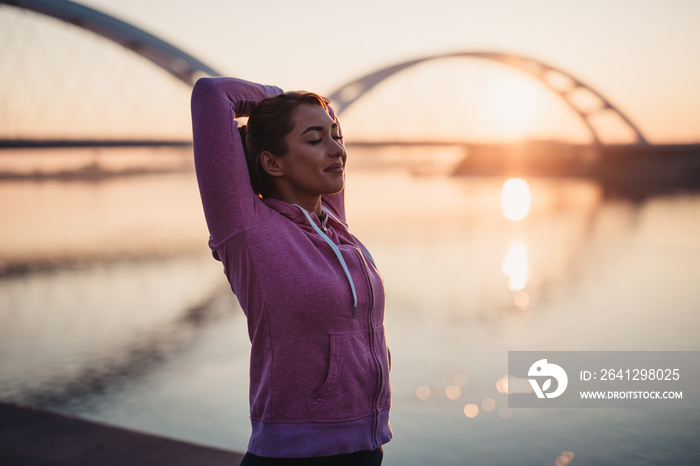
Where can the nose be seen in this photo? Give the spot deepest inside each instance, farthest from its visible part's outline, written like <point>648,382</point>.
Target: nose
<point>337,149</point>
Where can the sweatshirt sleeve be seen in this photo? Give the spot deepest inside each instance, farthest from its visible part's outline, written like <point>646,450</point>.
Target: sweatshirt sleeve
<point>222,172</point>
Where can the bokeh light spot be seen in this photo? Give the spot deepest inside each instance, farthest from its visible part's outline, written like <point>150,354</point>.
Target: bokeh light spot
<point>471,410</point>
<point>423,392</point>
<point>488,404</point>
<point>505,412</point>
<point>453,392</point>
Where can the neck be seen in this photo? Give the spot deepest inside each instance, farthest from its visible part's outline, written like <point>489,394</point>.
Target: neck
<point>310,203</point>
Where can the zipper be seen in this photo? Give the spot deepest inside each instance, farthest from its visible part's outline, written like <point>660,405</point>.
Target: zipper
<point>365,259</point>
<point>373,350</point>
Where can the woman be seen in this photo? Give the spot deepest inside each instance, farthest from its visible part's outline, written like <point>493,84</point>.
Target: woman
<point>314,300</point>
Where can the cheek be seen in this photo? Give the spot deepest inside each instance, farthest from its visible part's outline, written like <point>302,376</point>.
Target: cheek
<point>312,160</point>
<point>305,165</point>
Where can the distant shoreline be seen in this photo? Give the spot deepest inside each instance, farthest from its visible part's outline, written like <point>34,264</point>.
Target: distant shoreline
<point>59,143</point>
<point>92,172</point>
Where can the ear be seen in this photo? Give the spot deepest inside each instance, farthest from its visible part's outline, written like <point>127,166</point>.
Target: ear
<point>271,164</point>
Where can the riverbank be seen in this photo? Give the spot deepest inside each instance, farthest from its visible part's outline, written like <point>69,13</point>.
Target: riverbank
<point>30,436</point>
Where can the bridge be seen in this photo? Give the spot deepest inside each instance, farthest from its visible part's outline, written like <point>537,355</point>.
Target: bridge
<point>548,75</point>
<point>183,70</point>
<point>186,68</point>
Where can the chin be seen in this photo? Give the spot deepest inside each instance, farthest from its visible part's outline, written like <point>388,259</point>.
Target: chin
<point>335,189</point>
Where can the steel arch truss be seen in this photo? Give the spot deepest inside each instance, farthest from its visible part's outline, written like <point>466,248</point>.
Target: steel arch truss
<point>178,63</point>
<point>558,81</point>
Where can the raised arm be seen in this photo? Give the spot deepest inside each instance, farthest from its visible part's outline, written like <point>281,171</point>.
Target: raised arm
<point>222,173</point>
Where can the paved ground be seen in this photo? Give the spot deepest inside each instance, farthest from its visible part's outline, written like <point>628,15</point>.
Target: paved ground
<point>30,436</point>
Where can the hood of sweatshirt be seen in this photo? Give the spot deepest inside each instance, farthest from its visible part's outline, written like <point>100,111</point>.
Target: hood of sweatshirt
<point>306,219</point>
<point>295,213</point>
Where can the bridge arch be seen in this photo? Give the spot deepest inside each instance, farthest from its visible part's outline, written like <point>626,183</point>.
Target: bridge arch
<point>175,61</point>
<point>350,92</point>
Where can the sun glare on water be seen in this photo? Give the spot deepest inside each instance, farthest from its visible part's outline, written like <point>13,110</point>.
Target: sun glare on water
<point>515,199</point>
<point>515,266</point>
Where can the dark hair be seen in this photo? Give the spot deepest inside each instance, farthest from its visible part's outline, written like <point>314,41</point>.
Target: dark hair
<point>268,124</point>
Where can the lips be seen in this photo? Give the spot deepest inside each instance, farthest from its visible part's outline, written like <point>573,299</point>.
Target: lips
<point>335,168</point>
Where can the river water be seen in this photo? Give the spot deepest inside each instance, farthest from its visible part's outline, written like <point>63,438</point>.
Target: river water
<point>112,308</point>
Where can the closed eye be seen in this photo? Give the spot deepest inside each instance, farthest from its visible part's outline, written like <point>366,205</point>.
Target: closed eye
<point>338,137</point>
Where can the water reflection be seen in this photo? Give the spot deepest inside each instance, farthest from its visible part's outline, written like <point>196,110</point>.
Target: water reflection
<point>505,412</point>
<point>606,276</point>
<point>515,204</point>
<point>423,392</point>
<point>515,199</point>
<point>515,266</point>
<point>509,384</point>
<point>71,333</point>
<point>453,392</point>
<point>488,404</point>
<point>55,222</point>
<point>521,300</point>
<point>471,410</point>
<point>565,458</point>
<point>460,379</point>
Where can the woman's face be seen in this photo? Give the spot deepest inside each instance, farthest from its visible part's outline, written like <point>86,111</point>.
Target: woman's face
<point>315,160</point>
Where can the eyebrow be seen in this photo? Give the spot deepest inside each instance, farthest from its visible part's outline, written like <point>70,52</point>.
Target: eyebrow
<point>318,128</point>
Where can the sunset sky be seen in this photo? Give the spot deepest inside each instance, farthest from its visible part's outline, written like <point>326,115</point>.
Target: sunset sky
<point>641,54</point>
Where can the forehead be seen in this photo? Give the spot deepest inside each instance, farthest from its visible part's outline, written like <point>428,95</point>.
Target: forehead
<point>307,115</point>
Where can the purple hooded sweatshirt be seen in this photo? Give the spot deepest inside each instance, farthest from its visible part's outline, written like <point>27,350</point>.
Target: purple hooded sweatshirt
<point>314,300</point>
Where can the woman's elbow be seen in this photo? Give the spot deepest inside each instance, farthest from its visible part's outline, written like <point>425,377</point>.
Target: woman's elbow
<point>202,86</point>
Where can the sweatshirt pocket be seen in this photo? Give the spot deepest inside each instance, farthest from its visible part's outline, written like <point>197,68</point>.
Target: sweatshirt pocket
<point>353,379</point>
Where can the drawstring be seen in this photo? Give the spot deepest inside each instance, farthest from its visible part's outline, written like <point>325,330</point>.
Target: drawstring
<point>362,246</point>
<point>337,254</point>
